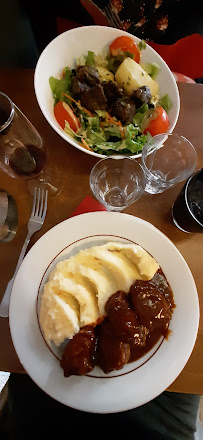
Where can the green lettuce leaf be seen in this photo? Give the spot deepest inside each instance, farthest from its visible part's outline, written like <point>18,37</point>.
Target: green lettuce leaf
<point>152,69</point>
<point>140,116</point>
<point>90,58</point>
<point>107,148</point>
<point>60,86</point>
<point>94,123</point>
<point>94,137</point>
<point>133,141</point>
<point>101,113</point>
<point>112,131</point>
<point>142,45</point>
<point>166,103</point>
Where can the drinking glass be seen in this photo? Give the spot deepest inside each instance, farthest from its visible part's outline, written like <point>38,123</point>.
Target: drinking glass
<point>117,182</point>
<point>167,159</point>
<point>22,151</point>
<point>187,211</point>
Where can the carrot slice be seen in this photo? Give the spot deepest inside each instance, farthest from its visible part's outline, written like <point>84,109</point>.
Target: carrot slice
<point>84,144</point>
<point>78,103</point>
<point>109,118</point>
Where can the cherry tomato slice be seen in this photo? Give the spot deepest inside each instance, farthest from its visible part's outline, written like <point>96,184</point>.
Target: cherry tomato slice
<point>63,112</point>
<point>125,44</point>
<point>160,124</point>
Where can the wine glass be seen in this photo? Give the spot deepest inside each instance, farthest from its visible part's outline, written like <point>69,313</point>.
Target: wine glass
<point>117,182</point>
<point>23,153</point>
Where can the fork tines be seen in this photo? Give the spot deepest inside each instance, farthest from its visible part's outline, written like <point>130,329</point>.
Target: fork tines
<point>40,202</point>
<point>112,16</point>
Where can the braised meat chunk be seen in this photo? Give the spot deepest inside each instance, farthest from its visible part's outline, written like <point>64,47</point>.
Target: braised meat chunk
<point>139,338</point>
<point>88,75</point>
<point>94,99</point>
<point>79,355</point>
<point>112,354</point>
<point>112,91</point>
<point>78,87</point>
<point>123,109</point>
<point>161,283</point>
<point>85,78</point>
<point>122,318</point>
<point>152,308</point>
<point>141,96</point>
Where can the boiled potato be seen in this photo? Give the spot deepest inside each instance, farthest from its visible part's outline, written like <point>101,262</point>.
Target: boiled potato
<point>130,76</point>
<point>105,74</point>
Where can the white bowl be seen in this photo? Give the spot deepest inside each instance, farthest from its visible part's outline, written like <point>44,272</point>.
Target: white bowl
<point>67,47</point>
<point>136,383</point>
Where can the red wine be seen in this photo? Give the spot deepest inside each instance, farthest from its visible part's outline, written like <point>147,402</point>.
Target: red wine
<point>28,161</point>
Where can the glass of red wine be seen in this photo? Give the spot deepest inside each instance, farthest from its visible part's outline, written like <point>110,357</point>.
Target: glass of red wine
<point>23,153</point>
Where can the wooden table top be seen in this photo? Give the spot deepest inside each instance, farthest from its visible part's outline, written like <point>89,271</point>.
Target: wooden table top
<point>75,167</point>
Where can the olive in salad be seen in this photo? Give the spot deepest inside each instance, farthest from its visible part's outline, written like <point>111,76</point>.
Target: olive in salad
<point>110,104</point>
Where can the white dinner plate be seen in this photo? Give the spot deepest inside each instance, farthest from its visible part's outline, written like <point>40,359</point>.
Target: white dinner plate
<point>138,382</point>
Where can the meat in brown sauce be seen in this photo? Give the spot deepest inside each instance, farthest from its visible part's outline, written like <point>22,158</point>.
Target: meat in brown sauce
<point>123,109</point>
<point>112,91</point>
<point>123,319</point>
<point>79,354</point>
<point>152,308</point>
<point>141,96</point>
<point>88,75</point>
<point>159,280</point>
<point>139,337</point>
<point>94,99</point>
<point>112,354</point>
<point>78,87</point>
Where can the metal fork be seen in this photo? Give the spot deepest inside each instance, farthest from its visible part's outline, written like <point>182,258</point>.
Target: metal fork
<point>35,223</point>
<point>113,17</point>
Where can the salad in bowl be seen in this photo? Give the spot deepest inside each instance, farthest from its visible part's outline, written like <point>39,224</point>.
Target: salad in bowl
<point>109,100</point>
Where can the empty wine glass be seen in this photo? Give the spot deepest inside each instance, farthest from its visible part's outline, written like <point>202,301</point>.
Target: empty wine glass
<point>117,182</point>
<point>23,153</point>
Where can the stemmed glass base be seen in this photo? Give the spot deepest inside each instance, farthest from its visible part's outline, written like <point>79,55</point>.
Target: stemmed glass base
<point>51,179</point>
